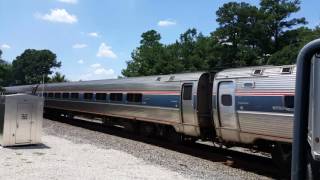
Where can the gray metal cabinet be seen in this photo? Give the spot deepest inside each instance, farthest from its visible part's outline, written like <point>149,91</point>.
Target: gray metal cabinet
<point>20,119</point>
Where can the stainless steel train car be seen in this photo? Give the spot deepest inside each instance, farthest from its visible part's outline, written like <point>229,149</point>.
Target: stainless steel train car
<point>255,106</point>
<point>244,106</point>
<point>254,103</point>
<point>179,101</point>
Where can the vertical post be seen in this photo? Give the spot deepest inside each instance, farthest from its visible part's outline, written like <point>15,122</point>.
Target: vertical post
<point>300,145</point>
<point>42,85</point>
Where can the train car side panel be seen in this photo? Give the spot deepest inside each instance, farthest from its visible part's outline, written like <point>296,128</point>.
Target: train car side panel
<point>263,103</point>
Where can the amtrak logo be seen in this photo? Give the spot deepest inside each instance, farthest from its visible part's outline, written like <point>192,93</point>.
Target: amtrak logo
<point>282,108</point>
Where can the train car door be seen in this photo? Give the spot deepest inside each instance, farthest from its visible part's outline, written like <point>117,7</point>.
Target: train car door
<point>187,104</point>
<point>23,123</point>
<point>227,111</point>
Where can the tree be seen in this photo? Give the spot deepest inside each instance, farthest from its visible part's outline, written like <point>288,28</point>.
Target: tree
<point>189,53</point>
<point>32,65</point>
<point>276,14</point>
<point>240,34</point>
<point>170,62</point>
<point>5,72</point>
<point>295,40</point>
<point>57,78</point>
<point>192,50</point>
<point>1,60</point>
<point>145,56</point>
<point>247,36</point>
<point>251,36</point>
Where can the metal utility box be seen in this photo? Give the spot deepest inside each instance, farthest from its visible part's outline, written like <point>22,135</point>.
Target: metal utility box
<point>21,118</point>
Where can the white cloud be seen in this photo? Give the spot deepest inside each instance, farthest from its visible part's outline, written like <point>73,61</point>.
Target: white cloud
<point>79,46</point>
<point>168,22</point>
<point>58,15</point>
<point>69,1</point>
<point>93,34</point>
<point>105,51</point>
<point>5,46</point>
<point>85,77</point>
<point>80,61</point>
<point>103,71</point>
<point>96,71</point>
<point>97,65</point>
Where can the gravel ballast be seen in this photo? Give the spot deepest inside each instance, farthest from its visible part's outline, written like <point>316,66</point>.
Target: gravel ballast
<point>62,159</point>
<point>70,152</point>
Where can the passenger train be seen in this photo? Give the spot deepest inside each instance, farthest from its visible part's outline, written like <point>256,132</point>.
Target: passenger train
<point>250,107</point>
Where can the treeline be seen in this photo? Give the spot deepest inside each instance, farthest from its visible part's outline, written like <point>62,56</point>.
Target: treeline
<point>247,35</point>
<point>31,67</point>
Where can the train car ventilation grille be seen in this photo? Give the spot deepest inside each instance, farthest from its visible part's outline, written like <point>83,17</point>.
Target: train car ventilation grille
<point>286,70</point>
<point>257,72</point>
<point>171,78</point>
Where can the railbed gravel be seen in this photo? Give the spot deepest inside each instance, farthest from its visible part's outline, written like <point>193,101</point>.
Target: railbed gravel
<point>188,166</point>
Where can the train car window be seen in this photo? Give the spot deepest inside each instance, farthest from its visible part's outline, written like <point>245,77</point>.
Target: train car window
<point>57,95</point>
<point>134,97</point>
<point>74,95</point>
<point>50,95</point>
<point>45,94</point>
<point>87,96</point>
<point>226,100</point>
<point>101,96</point>
<point>289,101</point>
<point>187,92</point>
<point>116,96</point>
<point>65,95</point>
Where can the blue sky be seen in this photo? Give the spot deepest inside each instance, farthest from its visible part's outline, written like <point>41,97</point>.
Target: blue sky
<point>94,38</point>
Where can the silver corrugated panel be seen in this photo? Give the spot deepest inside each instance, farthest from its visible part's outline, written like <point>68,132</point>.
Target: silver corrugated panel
<point>269,124</point>
<point>270,83</point>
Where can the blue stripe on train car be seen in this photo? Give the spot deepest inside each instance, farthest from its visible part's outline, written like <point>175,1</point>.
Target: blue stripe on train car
<point>172,101</point>
<point>262,104</point>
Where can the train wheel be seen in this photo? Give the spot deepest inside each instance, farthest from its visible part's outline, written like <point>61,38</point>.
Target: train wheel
<point>131,126</point>
<point>281,155</point>
<point>189,141</point>
<point>146,129</point>
<point>69,116</point>
<point>174,137</point>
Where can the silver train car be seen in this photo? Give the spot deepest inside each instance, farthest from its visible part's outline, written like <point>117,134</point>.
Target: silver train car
<point>179,101</point>
<point>254,106</point>
<point>250,107</point>
<point>255,103</point>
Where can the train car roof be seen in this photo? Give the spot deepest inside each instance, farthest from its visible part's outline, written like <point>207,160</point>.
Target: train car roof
<point>256,71</point>
<point>20,89</point>
<point>143,82</point>
<point>148,79</point>
<point>158,82</point>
